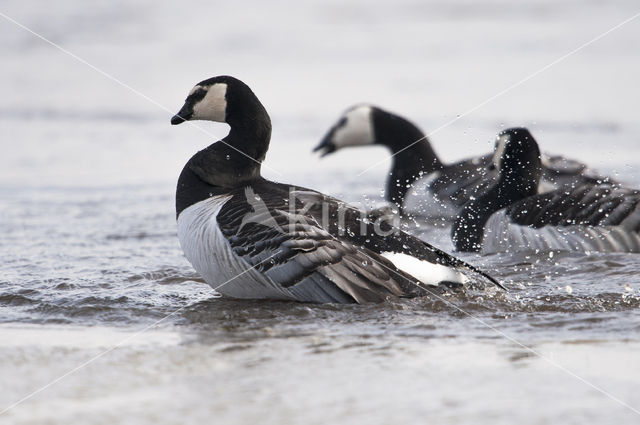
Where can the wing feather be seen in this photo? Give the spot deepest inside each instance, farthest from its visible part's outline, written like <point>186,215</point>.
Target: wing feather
<point>593,205</point>
<point>316,261</point>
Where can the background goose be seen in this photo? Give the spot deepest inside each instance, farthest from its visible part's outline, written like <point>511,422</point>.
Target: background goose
<point>252,238</point>
<point>513,215</point>
<point>451,185</point>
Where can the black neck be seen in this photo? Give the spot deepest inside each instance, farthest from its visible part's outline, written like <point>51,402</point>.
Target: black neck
<point>413,155</point>
<point>409,165</point>
<point>229,163</point>
<point>467,232</point>
<point>232,161</point>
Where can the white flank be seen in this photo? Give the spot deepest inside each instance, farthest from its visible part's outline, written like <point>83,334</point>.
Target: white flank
<point>501,235</point>
<point>209,253</point>
<point>426,272</point>
<point>357,130</point>
<point>213,106</point>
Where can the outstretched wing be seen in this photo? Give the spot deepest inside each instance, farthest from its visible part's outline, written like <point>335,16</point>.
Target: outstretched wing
<point>465,179</point>
<point>563,172</point>
<point>589,204</point>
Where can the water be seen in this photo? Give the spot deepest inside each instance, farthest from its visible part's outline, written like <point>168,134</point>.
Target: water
<point>92,274</point>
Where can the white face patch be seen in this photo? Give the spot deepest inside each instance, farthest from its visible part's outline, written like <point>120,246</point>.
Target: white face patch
<point>357,130</point>
<point>545,186</point>
<point>194,89</point>
<point>546,161</point>
<point>500,147</point>
<point>213,107</point>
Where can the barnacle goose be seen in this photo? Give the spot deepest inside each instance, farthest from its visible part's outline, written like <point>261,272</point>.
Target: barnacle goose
<point>253,238</point>
<point>415,163</point>
<point>512,215</point>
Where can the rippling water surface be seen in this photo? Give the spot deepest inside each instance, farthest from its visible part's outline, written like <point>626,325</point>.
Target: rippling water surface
<point>97,300</point>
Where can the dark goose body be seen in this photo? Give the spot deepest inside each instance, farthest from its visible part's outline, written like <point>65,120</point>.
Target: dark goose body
<point>415,164</point>
<point>252,238</point>
<point>512,215</point>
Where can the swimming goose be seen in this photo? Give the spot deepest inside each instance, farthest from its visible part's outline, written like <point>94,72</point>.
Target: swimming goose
<point>513,215</point>
<point>414,161</point>
<point>253,238</point>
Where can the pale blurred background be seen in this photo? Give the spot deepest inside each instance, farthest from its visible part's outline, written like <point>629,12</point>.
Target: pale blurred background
<point>90,258</point>
<point>63,122</point>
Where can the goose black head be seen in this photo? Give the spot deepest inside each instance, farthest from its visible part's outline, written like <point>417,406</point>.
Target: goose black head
<point>517,158</point>
<point>207,100</point>
<point>366,124</point>
<point>237,158</point>
<point>354,128</point>
<point>223,99</point>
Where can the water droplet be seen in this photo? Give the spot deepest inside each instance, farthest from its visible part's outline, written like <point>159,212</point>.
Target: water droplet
<point>228,157</point>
